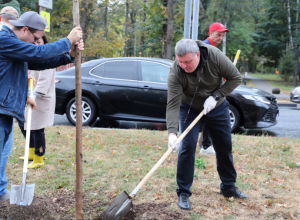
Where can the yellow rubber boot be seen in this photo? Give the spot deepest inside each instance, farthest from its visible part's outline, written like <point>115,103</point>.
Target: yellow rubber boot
<point>31,154</point>
<point>38,161</point>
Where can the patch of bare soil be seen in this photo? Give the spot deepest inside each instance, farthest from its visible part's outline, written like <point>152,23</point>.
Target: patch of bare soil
<point>58,205</point>
<point>49,206</point>
<point>152,211</point>
<point>41,208</point>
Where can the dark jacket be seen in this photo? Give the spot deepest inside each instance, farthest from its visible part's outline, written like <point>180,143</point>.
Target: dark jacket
<point>16,57</point>
<point>207,41</point>
<point>182,85</point>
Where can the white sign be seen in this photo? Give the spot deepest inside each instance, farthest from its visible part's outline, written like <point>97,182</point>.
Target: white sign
<point>46,3</point>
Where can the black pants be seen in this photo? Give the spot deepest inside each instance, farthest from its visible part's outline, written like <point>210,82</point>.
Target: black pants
<point>218,125</point>
<point>37,139</point>
<point>205,141</point>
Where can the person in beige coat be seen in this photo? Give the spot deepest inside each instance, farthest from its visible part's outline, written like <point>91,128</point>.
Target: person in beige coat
<point>43,116</point>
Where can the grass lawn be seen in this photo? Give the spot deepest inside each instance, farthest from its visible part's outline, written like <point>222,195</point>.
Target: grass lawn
<point>116,160</point>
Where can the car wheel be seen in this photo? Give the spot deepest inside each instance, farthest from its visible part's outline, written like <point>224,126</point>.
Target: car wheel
<point>88,111</point>
<point>234,118</point>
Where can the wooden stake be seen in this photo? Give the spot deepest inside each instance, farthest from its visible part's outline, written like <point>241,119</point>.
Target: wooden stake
<point>78,99</point>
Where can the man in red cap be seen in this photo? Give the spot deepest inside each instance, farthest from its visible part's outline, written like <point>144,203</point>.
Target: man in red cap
<point>216,34</point>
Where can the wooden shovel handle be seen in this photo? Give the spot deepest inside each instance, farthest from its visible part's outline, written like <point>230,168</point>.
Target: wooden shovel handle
<point>164,157</point>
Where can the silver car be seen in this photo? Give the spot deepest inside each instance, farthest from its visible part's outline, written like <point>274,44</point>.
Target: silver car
<point>295,95</point>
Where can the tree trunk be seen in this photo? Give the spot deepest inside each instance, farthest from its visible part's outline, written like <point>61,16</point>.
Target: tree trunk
<point>78,95</point>
<point>133,32</point>
<point>143,32</point>
<point>85,12</point>
<point>126,28</point>
<point>170,30</point>
<point>105,18</point>
<point>164,33</point>
<point>289,24</point>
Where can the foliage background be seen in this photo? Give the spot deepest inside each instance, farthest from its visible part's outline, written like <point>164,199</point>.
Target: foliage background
<point>259,28</point>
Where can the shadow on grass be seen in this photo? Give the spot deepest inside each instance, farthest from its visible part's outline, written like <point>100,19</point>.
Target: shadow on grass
<point>255,132</point>
<point>129,125</point>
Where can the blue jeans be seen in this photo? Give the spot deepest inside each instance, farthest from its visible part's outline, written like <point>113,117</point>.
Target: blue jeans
<point>217,122</point>
<point>6,142</point>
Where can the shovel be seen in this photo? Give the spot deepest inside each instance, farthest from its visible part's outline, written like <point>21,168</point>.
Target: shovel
<point>123,203</point>
<point>23,195</point>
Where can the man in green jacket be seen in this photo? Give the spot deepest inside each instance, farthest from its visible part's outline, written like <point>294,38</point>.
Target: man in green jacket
<point>195,84</point>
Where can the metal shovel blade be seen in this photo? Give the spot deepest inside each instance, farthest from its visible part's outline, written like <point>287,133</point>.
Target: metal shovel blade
<point>16,194</point>
<point>119,208</point>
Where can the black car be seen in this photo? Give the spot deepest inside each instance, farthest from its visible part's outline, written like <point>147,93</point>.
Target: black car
<point>135,89</point>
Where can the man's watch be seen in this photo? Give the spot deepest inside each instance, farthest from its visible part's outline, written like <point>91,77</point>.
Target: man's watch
<point>216,97</point>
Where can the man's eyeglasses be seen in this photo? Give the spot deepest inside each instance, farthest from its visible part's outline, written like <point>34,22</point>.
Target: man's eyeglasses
<point>35,37</point>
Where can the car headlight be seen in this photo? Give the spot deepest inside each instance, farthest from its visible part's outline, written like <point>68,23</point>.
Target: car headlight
<point>257,98</point>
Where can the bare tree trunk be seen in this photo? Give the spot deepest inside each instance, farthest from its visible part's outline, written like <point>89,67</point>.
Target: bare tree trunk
<point>134,44</point>
<point>143,32</point>
<point>170,29</point>
<point>289,24</point>
<point>126,28</point>
<point>78,92</point>
<point>133,14</point>
<point>105,18</point>
<point>164,33</point>
<point>85,12</point>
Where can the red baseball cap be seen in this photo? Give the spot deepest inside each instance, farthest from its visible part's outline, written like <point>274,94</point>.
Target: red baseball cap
<point>217,27</point>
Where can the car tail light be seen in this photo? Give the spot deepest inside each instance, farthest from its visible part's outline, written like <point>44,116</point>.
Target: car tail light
<point>57,80</point>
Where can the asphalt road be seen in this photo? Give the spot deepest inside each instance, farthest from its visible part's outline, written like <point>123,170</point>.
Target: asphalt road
<point>288,124</point>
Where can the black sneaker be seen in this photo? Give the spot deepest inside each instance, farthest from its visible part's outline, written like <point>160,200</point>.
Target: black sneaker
<point>183,201</point>
<point>233,192</point>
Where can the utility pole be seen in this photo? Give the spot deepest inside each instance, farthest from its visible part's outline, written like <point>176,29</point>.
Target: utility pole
<point>187,19</point>
<point>195,19</point>
<point>296,71</point>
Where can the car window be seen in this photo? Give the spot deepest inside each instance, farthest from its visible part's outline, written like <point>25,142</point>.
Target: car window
<point>119,69</point>
<point>154,72</point>
<point>98,71</point>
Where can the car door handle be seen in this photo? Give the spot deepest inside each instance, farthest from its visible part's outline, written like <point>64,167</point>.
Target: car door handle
<point>97,83</point>
<point>145,87</point>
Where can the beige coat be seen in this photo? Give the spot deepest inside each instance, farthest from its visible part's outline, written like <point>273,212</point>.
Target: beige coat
<point>43,116</point>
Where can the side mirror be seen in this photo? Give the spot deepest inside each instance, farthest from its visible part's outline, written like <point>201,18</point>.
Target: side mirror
<point>275,90</point>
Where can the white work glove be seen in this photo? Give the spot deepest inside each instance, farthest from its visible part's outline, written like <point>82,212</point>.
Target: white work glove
<point>209,104</point>
<point>172,140</point>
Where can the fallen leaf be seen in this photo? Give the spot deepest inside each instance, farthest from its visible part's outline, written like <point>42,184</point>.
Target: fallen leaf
<point>231,199</point>
<point>282,205</point>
